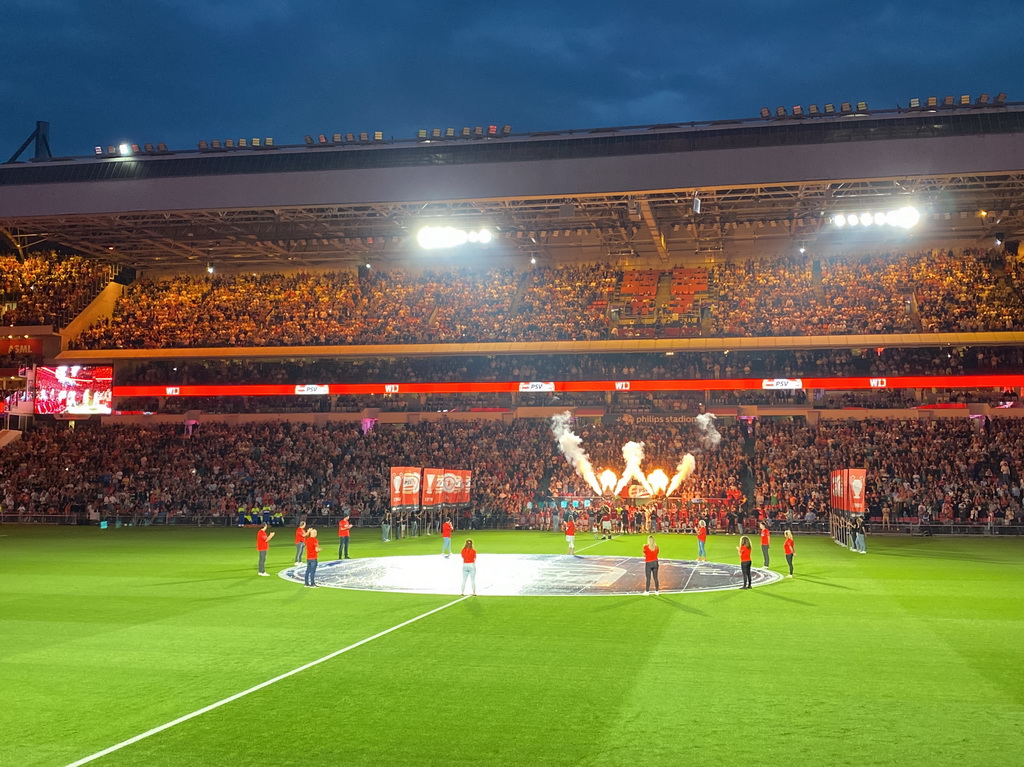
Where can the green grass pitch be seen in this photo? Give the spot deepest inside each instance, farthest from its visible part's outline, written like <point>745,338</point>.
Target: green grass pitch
<point>910,655</point>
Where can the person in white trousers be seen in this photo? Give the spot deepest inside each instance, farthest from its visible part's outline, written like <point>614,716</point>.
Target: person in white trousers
<point>468,566</point>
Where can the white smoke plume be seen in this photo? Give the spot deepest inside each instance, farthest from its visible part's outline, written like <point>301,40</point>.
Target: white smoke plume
<point>683,470</point>
<point>569,444</point>
<point>706,423</point>
<point>633,455</point>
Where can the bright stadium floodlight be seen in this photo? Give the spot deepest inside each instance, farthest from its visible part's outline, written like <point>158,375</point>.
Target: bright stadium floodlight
<point>879,219</point>
<point>438,237</point>
<point>866,219</point>
<point>908,217</point>
<point>124,149</point>
<point>852,219</point>
<point>839,220</point>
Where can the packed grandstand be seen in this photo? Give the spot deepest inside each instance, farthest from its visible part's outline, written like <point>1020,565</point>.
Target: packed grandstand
<point>187,441</point>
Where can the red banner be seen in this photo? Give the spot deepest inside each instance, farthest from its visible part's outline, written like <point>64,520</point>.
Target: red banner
<point>1000,380</point>
<point>848,488</point>
<point>466,485</point>
<point>405,487</point>
<point>433,487</point>
<point>21,346</point>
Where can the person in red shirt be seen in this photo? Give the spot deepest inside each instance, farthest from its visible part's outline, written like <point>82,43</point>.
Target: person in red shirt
<point>446,537</point>
<point>744,550</point>
<point>262,545</point>
<point>300,542</point>
<point>787,549</point>
<point>651,565</point>
<point>766,537</point>
<point>702,538</point>
<point>343,529</point>
<point>468,566</point>
<point>312,558</point>
<point>570,535</point>
<point>606,526</point>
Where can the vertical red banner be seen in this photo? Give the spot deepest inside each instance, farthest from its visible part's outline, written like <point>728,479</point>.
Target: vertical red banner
<point>838,488</point>
<point>466,485</point>
<point>432,487</point>
<point>451,486</point>
<point>857,482</point>
<point>405,487</point>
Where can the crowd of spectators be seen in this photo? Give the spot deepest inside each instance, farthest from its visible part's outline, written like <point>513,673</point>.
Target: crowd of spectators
<point>584,367</point>
<point>948,470</point>
<point>47,288</point>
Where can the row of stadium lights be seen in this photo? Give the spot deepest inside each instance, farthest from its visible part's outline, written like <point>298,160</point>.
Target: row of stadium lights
<point>904,218</point>
<point>846,108</point>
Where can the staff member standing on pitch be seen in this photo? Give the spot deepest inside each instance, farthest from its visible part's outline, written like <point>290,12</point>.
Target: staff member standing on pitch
<point>262,545</point>
<point>766,539</point>
<point>468,566</point>
<point>446,538</point>
<point>570,535</point>
<point>300,542</point>
<point>744,550</point>
<point>344,526</point>
<point>312,558</point>
<point>651,565</point>
<point>702,539</point>
<point>787,549</point>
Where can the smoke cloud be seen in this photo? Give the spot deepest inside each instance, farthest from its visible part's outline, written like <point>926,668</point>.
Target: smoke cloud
<point>633,455</point>
<point>683,470</point>
<point>570,446</point>
<point>710,436</point>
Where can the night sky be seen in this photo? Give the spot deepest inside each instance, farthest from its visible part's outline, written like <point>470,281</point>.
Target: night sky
<point>106,71</point>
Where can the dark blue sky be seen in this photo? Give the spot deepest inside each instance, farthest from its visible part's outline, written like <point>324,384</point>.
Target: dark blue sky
<point>104,71</point>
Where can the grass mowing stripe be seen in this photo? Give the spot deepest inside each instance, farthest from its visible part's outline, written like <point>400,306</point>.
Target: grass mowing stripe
<point>237,695</point>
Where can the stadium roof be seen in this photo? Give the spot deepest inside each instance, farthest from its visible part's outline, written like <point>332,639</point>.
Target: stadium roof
<point>614,193</point>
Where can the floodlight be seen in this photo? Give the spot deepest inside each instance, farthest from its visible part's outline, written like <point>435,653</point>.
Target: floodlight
<point>99,151</point>
<point>243,143</point>
<point>492,130</point>
<point>435,133</point>
<point>932,102</point>
<point>879,219</point>
<point>892,218</point>
<point>202,145</point>
<point>364,136</point>
<point>209,268</point>
<point>780,111</point>
<point>915,103</point>
<point>309,139</point>
<point>255,142</point>
<point>766,112</point>
<point>449,133</point>
<point>852,219</point>
<point>803,249</point>
<point>506,130</point>
<point>349,138</point>
<point>268,141</point>
<point>866,219</point>
<point>909,216</point>
<point>947,101</point>
<point>336,138</point>
<point>161,147</point>
<point>965,100</point>
<point>229,143</point>
<point>830,109</point>
<point>149,147</point>
<point>478,132</point>
<point>465,132</point>
<point>845,108</point>
<point>421,134</point>
<point>813,109</point>
<point>862,106</point>
<point>215,143</point>
<point>983,98</point>
<point>798,111</point>
<point>378,135</point>
<point>1000,99</point>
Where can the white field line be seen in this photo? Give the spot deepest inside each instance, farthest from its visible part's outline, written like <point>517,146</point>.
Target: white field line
<point>596,544</point>
<point>260,686</point>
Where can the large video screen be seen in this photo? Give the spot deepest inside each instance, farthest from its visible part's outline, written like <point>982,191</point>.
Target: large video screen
<point>74,390</point>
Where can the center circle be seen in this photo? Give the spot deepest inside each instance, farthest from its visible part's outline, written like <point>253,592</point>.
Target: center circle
<point>527,575</point>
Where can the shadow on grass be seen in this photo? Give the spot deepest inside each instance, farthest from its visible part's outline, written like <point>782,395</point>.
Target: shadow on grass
<point>823,582</point>
<point>680,605</point>
<point>768,593</point>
